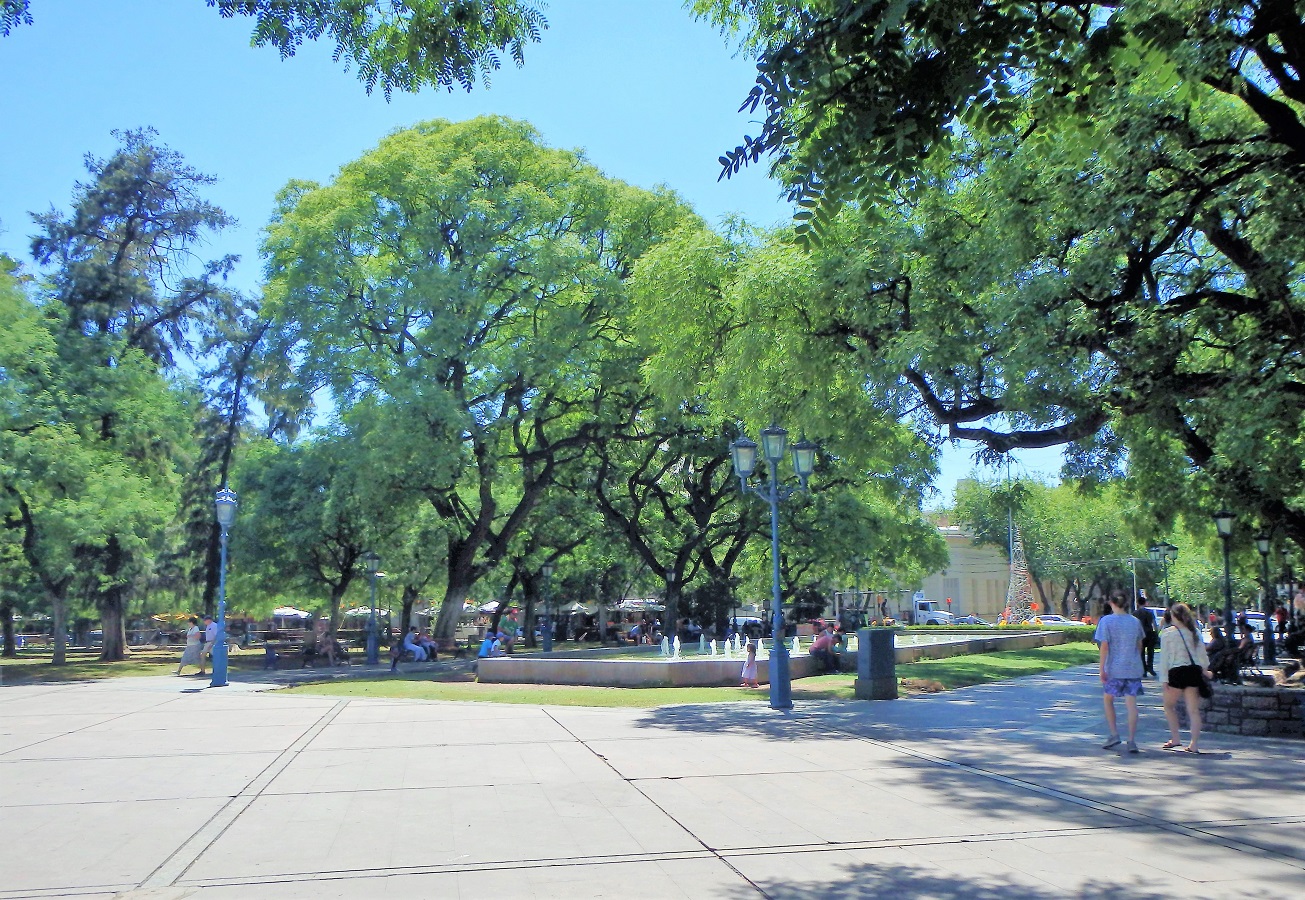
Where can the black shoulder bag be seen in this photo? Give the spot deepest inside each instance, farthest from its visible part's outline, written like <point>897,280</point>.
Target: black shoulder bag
<point>1203,688</point>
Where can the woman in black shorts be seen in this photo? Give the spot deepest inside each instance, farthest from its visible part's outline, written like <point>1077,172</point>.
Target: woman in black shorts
<point>1186,666</point>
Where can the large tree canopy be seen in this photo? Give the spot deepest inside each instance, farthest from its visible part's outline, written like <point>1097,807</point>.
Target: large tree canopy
<point>400,44</point>
<point>1058,223</point>
<point>466,283</point>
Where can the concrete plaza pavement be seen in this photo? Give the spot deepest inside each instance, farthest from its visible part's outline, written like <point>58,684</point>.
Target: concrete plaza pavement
<point>161,788</point>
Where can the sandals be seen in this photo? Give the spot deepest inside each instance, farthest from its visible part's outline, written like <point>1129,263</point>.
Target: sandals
<point>1191,750</point>
<point>1171,745</point>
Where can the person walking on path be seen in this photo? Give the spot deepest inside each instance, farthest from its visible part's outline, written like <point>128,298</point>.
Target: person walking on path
<point>210,635</point>
<point>1150,638</point>
<point>193,655</point>
<point>749,676</point>
<point>1186,665</point>
<point>1119,637</point>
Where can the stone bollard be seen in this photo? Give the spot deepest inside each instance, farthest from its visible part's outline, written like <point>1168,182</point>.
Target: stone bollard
<point>876,664</point>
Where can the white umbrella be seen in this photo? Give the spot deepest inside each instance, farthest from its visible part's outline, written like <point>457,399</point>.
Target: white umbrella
<point>490,607</point>
<point>289,612</point>
<point>577,607</point>
<point>632,605</point>
<point>364,611</point>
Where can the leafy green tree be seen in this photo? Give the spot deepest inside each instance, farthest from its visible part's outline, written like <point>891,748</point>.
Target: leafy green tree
<point>725,320</point>
<point>858,94</point>
<point>88,505</point>
<point>1076,535</point>
<point>400,44</point>
<point>125,293</point>
<point>309,513</point>
<point>466,281</point>
<point>1074,223</point>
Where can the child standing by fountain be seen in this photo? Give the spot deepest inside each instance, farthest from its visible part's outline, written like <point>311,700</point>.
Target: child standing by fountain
<point>749,677</point>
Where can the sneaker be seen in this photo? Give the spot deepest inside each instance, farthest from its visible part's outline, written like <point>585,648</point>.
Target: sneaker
<point>1112,743</point>
<point>1132,748</point>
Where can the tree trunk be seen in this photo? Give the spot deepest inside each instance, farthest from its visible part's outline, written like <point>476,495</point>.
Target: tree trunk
<point>405,614</point>
<point>10,645</point>
<point>112,603</point>
<point>528,616</point>
<point>338,591</point>
<point>113,622</point>
<point>212,561</point>
<point>59,622</point>
<point>446,623</point>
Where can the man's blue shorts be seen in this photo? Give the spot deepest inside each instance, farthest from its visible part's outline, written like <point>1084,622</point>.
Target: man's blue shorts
<point>1123,687</point>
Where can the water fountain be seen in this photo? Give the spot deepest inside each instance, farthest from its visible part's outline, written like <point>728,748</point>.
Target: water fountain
<point>702,644</point>
<point>728,654</point>
<point>737,646</point>
<point>794,650</point>
<point>713,646</point>
<point>677,647</point>
<point>666,646</point>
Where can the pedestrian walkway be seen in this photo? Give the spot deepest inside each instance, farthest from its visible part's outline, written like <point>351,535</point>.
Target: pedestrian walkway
<point>156,788</point>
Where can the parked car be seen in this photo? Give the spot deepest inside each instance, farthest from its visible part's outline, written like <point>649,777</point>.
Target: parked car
<point>972,619</point>
<point>1052,621</point>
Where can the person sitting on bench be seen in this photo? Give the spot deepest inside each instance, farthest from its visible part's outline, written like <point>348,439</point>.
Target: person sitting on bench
<point>413,646</point>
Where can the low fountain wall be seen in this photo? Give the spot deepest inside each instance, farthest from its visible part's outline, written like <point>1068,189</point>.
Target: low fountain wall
<point>1258,711</point>
<point>586,667</point>
<point>657,671</point>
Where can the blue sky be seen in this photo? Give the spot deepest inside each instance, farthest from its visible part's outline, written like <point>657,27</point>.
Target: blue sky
<point>648,94</point>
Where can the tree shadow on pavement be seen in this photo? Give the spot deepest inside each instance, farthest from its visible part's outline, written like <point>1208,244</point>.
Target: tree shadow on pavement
<point>902,881</point>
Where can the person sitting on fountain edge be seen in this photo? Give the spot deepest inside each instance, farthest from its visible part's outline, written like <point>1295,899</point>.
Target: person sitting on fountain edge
<point>822,648</point>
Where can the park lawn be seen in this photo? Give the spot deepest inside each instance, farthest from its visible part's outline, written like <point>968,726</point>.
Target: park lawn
<point>33,666</point>
<point>958,671</point>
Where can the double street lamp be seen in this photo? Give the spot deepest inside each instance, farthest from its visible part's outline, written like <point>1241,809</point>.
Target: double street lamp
<point>744,453</point>
<point>1223,523</point>
<point>224,505</point>
<point>1164,553</point>
<point>372,561</point>
<point>1262,544</point>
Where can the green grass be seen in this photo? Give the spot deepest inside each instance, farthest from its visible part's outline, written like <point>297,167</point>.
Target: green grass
<point>34,667</point>
<point>957,671</point>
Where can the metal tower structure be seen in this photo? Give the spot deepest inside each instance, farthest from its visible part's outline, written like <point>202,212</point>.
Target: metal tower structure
<point>1019,594</point>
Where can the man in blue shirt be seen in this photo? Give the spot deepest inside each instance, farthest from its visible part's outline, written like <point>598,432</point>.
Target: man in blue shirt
<point>1120,637</point>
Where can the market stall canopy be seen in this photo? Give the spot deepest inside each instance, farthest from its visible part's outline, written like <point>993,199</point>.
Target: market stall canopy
<point>632,605</point>
<point>289,612</point>
<point>577,607</point>
<point>172,617</point>
<point>364,611</point>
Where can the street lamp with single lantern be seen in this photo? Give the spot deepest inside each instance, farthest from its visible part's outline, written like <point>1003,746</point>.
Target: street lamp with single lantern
<point>224,507</point>
<point>1223,523</point>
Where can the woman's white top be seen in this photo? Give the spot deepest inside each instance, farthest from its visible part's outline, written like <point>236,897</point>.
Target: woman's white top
<point>192,635</point>
<point>1175,642</point>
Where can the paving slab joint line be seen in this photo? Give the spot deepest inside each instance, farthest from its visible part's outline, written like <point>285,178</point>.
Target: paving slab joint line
<point>96,890</point>
<point>712,850</point>
<point>447,868</point>
<point>83,728</point>
<point>185,856</point>
<point>1109,809</point>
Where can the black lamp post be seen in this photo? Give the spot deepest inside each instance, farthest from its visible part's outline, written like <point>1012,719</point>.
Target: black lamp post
<point>224,505</point>
<point>1164,553</point>
<point>1223,522</point>
<point>1262,542</point>
<point>373,563</point>
<point>744,453</point>
<point>547,570</point>
<point>1171,554</point>
<point>1291,586</point>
